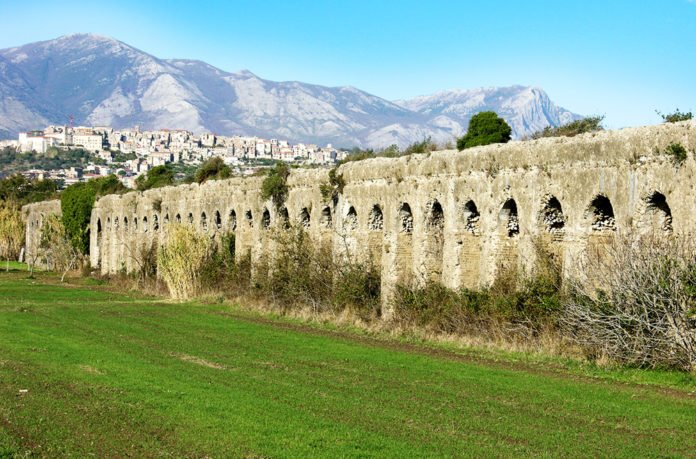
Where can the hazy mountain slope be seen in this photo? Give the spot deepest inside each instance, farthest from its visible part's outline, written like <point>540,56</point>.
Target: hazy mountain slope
<point>101,81</point>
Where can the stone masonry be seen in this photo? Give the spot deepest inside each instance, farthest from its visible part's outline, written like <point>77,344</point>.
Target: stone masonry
<point>459,218</point>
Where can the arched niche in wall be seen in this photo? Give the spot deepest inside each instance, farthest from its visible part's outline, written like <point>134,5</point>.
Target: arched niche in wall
<point>284,218</point>
<point>508,219</point>
<point>375,221</point>
<point>600,214</point>
<point>232,220</point>
<point>305,219</point>
<point>326,220</point>
<point>655,214</point>
<point>351,220</point>
<point>218,220</point>
<point>434,241</point>
<point>471,218</point>
<point>405,216</point>
<point>551,216</point>
<point>266,219</point>
<point>404,245</point>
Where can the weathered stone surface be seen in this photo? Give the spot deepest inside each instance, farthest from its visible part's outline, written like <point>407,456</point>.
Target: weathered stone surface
<point>33,215</point>
<point>454,217</point>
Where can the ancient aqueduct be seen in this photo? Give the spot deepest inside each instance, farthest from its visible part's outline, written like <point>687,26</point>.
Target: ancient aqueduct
<point>454,217</point>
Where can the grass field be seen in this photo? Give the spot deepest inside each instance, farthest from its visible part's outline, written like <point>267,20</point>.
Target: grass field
<point>87,370</point>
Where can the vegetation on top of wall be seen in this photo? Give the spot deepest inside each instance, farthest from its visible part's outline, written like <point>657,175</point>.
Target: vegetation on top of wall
<point>674,117</point>
<point>677,153</point>
<point>275,185</point>
<point>485,128</point>
<point>20,190</point>
<point>156,177</point>
<point>76,203</point>
<point>577,127</point>
<point>213,169</point>
<point>330,191</point>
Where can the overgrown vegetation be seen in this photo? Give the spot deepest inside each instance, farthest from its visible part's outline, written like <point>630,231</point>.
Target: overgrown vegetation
<point>674,117</point>
<point>181,258</point>
<point>76,203</point>
<point>156,177</point>
<point>275,185</point>
<point>485,128</point>
<point>634,301</point>
<point>56,247</point>
<point>11,232</point>
<point>330,191</point>
<point>677,153</point>
<point>515,307</point>
<point>577,127</point>
<point>302,271</point>
<point>213,169</point>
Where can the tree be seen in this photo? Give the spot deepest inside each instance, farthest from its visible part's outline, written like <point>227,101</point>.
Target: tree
<point>275,186</point>
<point>20,190</point>
<point>485,128</point>
<point>213,169</point>
<point>11,232</point>
<point>55,245</point>
<point>76,204</point>
<point>156,177</point>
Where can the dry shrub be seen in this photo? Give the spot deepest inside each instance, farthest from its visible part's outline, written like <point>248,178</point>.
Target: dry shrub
<point>182,257</point>
<point>56,246</point>
<point>632,300</point>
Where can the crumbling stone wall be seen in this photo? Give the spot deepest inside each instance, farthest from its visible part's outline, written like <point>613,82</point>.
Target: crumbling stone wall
<point>454,217</point>
<point>33,216</point>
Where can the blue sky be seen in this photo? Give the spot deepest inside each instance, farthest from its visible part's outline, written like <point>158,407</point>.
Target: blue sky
<point>623,59</point>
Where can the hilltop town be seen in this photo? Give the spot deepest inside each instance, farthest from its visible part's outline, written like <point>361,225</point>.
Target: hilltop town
<point>129,153</point>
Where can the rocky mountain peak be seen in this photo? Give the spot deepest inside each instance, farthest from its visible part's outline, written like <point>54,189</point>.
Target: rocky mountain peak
<point>102,81</point>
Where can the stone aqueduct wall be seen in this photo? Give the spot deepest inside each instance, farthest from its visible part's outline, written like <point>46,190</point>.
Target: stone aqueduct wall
<point>33,216</point>
<point>454,217</point>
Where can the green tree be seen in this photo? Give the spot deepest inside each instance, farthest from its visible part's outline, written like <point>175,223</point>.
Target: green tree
<point>76,204</point>
<point>156,177</point>
<point>275,184</point>
<point>213,169</point>
<point>485,128</point>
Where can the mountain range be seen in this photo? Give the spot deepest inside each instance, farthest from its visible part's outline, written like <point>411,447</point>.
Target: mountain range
<point>101,81</point>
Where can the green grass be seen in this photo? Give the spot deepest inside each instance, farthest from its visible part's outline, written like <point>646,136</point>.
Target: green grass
<point>108,373</point>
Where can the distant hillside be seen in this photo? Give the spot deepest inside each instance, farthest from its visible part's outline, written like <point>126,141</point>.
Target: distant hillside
<point>101,81</point>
